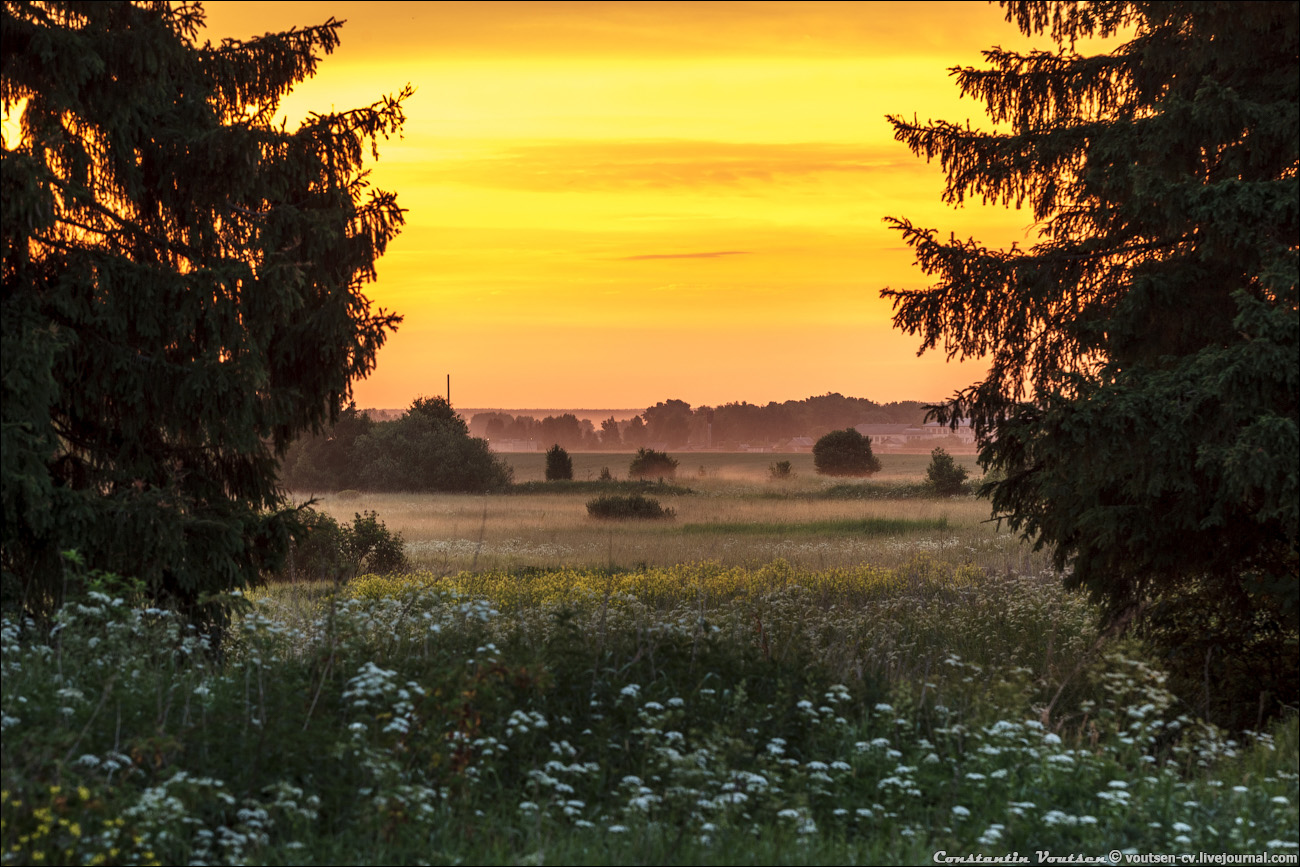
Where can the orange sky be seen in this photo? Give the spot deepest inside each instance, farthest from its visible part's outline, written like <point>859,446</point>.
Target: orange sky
<point>612,204</point>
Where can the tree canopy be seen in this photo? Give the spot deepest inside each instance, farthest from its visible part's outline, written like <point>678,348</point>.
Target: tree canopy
<point>183,290</point>
<point>427,449</point>
<point>845,453</point>
<point>1141,398</point>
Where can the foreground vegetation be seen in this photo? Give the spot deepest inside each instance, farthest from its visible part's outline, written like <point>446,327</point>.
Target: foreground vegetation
<point>692,714</point>
<point>793,670</point>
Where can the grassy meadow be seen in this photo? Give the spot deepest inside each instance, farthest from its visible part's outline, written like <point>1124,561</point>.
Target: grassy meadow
<point>732,513</point>
<point>782,674</point>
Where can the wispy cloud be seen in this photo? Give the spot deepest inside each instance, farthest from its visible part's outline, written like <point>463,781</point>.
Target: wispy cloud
<point>709,255</point>
<point>648,165</point>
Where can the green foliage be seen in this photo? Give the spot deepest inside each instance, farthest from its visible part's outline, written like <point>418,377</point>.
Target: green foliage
<point>628,506</point>
<point>427,449</point>
<point>325,550</point>
<point>1143,396</point>
<point>183,291</point>
<point>845,453</point>
<point>559,466</point>
<point>648,463</point>
<point>780,470</point>
<point>946,476</point>
<point>317,552</point>
<point>370,545</point>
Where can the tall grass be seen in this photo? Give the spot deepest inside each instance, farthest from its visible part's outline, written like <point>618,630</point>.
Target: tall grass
<point>447,533</point>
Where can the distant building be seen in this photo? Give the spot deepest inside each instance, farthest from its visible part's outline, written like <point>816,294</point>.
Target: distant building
<point>800,444</point>
<point>963,432</point>
<point>896,435</point>
<point>888,435</point>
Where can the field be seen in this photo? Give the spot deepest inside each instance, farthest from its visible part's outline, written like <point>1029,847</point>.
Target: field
<point>723,466</point>
<point>733,514</point>
<point>787,672</point>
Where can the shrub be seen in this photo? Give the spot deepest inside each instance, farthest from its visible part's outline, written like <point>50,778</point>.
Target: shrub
<point>650,463</point>
<point>559,466</point>
<point>947,477</point>
<point>324,550</point>
<point>845,453</point>
<point>616,507</point>
<point>373,547</point>
<point>606,475</point>
<point>780,470</point>
<point>317,551</point>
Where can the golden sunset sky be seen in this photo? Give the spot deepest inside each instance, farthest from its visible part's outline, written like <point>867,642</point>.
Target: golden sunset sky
<point>612,204</point>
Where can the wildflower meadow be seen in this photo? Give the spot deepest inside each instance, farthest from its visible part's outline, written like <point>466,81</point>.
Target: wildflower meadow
<point>694,713</point>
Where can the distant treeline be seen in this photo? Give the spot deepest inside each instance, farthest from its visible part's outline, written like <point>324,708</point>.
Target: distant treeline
<point>675,424</point>
<point>431,448</point>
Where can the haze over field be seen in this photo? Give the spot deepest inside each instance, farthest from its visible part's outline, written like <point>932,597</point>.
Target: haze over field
<point>612,202</point>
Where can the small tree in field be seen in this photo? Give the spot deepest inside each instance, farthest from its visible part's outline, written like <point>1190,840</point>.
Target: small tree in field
<point>648,463</point>
<point>845,453</point>
<point>559,466</point>
<point>945,475</point>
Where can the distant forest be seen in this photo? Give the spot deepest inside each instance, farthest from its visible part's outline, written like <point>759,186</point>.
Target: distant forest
<point>675,424</point>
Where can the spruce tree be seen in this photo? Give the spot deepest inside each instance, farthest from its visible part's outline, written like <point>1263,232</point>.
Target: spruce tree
<point>559,466</point>
<point>183,291</point>
<point>1142,392</point>
<point>945,475</point>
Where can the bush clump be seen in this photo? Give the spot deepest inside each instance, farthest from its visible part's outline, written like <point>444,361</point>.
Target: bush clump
<point>648,463</point>
<point>845,453</point>
<point>947,477</point>
<point>780,470</point>
<point>632,506</point>
<point>325,550</point>
<point>559,466</point>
